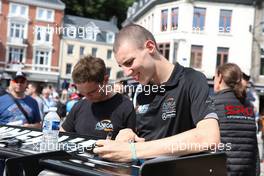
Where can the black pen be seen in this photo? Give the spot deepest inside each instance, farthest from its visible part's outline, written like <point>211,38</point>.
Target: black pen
<point>109,135</point>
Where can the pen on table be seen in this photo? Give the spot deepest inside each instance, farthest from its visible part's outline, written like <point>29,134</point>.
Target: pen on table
<point>109,135</point>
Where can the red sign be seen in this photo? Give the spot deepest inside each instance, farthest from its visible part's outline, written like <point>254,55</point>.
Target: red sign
<point>235,110</point>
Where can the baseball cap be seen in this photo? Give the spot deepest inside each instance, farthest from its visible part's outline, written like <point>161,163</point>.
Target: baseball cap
<point>19,74</point>
<point>74,96</point>
<point>246,77</point>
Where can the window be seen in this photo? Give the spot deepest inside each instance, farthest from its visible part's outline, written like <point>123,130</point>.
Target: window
<point>91,32</point>
<point>81,50</point>
<point>45,14</point>
<point>15,55</point>
<point>108,71</point>
<point>18,10</point>
<point>71,32</point>
<point>110,38</point>
<point>262,61</point>
<point>164,20</point>
<point>109,54</point>
<point>174,18</point>
<point>222,56</point>
<point>198,19</point>
<point>119,74</point>
<point>175,52</point>
<point>0,6</point>
<point>94,51</point>
<point>196,56</point>
<point>70,49</point>
<point>68,69</point>
<point>164,49</point>
<point>262,23</point>
<point>225,20</point>
<point>43,34</point>
<point>41,60</point>
<point>17,30</point>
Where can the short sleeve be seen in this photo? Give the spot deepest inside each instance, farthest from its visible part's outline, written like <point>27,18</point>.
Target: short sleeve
<point>130,117</point>
<point>201,102</point>
<point>69,123</point>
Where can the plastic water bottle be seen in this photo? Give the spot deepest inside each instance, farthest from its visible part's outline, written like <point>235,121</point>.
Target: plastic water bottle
<point>50,130</point>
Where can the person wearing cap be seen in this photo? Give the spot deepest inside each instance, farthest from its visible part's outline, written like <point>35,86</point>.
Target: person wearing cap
<point>74,98</point>
<point>17,108</point>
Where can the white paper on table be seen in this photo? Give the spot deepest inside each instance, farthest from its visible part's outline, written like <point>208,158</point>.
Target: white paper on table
<point>63,138</point>
<point>3,128</point>
<point>10,133</point>
<point>88,143</point>
<point>18,133</point>
<point>76,140</point>
<point>29,135</point>
<point>33,140</point>
<point>35,133</point>
<point>23,132</point>
<point>7,130</point>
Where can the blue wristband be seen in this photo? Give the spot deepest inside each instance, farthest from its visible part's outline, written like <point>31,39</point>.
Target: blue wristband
<point>133,151</point>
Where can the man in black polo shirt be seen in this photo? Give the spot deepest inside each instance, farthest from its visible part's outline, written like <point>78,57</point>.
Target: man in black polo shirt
<point>176,116</point>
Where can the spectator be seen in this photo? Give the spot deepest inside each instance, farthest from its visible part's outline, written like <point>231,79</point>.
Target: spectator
<point>34,91</point>
<point>237,121</point>
<point>74,98</point>
<point>48,101</point>
<point>16,108</point>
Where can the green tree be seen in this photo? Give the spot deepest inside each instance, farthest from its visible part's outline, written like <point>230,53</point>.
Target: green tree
<point>98,9</point>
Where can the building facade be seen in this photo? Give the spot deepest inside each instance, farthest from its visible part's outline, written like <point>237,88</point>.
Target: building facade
<point>85,36</point>
<point>257,71</point>
<point>201,34</point>
<point>28,41</point>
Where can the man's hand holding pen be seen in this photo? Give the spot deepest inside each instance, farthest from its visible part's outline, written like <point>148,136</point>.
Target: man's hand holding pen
<point>123,149</point>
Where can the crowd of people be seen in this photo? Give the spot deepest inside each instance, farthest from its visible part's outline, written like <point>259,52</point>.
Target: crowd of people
<point>176,110</point>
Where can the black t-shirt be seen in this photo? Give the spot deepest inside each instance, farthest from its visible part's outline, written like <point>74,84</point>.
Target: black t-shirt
<point>96,119</point>
<point>174,107</point>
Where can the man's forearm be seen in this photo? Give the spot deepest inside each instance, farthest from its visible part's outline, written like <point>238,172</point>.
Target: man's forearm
<point>33,125</point>
<point>205,136</point>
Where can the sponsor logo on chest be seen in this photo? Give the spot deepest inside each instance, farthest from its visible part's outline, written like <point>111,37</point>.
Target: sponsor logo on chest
<point>168,108</point>
<point>104,125</point>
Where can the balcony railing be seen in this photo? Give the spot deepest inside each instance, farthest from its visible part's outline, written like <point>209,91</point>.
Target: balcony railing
<point>17,41</point>
<point>32,68</point>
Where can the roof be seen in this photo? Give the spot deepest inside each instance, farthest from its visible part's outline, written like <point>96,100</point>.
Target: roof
<point>81,21</point>
<point>53,4</point>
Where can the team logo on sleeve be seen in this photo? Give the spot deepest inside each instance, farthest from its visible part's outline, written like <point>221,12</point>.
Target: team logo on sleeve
<point>142,109</point>
<point>104,125</point>
<point>169,108</point>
